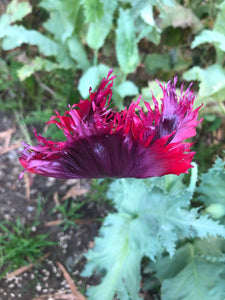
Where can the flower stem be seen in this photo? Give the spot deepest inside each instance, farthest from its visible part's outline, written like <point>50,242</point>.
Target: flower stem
<point>194,177</point>
<point>95,58</point>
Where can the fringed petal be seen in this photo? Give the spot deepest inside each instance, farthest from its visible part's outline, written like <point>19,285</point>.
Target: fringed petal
<point>102,142</point>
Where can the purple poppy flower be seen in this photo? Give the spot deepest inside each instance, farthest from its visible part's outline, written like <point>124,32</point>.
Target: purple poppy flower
<point>102,142</point>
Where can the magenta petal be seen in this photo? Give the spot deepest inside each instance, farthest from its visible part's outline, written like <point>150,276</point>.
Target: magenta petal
<point>105,143</point>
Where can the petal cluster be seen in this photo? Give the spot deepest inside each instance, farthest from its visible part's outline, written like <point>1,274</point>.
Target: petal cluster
<point>102,142</point>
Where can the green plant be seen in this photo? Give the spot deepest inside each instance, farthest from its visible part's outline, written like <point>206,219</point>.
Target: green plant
<point>70,213</point>
<point>212,77</point>
<point>76,31</point>
<point>154,217</point>
<point>20,246</point>
<point>99,189</point>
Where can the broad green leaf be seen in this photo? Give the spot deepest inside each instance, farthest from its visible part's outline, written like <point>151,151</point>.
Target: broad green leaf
<point>77,52</point>
<point>64,58</point>
<point>215,36</point>
<point>126,43</point>
<point>209,36</point>
<point>144,22</point>
<point>194,272</point>
<point>219,27</point>
<point>154,62</point>
<point>146,14</point>
<point>64,16</point>
<point>152,215</point>
<point>98,30</point>
<point>91,78</point>
<point>36,65</point>
<point>112,254</point>
<point>211,188</point>
<point>179,16</point>
<point>220,19</point>
<point>18,35</point>
<point>16,10</point>
<point>127,88</point>
<point>93,9</point>
<point>160,214</point>
<point>212,81</point>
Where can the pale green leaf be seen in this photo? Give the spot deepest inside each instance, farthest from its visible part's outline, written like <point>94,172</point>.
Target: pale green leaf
<point>16,10</point>
<point>215,36</point>
<point>93,10</point>
<point>64,16</point>
<point>164,210</point>
<point>156,208</point>
<point>98,30</point>
<point>126,43</point>
<point>219,26</point>
<point>63,57</point>
<point>194,272</point>
<point>212,186</point>
<point>144,22</point>
<point>165,2</point>
<point>179,16</point>
<point>77,52</point>
<point>220,19</point>
<point>36,65</point>
<point>112,254</point>
<point>212,81</point>
<point>91,78</point>
<point>127,88</point>
<point>146,14</point>
<point>18,35</point>
<point>209,36</point>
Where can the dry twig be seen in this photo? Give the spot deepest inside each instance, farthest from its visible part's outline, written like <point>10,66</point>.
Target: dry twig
<point>76,293</point>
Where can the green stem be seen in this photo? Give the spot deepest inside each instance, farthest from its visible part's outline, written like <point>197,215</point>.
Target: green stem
<point>222,106</point>
<point>194,177</point>
<point>95,58</point>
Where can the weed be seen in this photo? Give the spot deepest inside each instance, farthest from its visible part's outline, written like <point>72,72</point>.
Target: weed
<point>19,246</point>
<point>99,189</point>
<point>70,214</point>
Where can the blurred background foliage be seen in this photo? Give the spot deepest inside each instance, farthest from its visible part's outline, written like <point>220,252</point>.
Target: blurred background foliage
<point>51,52</point>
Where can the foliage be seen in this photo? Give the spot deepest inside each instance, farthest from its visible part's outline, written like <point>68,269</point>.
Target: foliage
<point>70,213</point>
<point>98,191</point>
<point>213,74</point>
<point>163,221</point>
<point>157,208</point>
<point>61,45</point>
<point>211,190</point>
<point>188,275</point>
<point>19,246</point>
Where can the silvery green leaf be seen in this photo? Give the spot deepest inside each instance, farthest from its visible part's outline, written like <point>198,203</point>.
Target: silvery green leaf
<point>77,52</point>
<point>193,273</point>
<point>127,88</point>
<point>98,30</point>
<point>126,43</point>
<point>36,65</point>
<point>91,78</point>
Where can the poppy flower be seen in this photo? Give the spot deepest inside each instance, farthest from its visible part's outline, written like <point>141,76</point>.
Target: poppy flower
<point>102,142</point>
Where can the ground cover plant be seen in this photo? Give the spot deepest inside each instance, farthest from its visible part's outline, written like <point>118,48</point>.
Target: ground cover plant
<point>155,232</point>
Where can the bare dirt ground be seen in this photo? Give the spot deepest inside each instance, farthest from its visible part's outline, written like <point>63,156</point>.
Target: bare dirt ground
<point>45,279</point>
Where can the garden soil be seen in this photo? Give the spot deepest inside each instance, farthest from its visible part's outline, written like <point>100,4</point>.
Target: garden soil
<point>20,199</point>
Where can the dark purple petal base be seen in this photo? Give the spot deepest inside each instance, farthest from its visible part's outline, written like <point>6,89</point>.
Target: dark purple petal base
<point>105,143</point>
